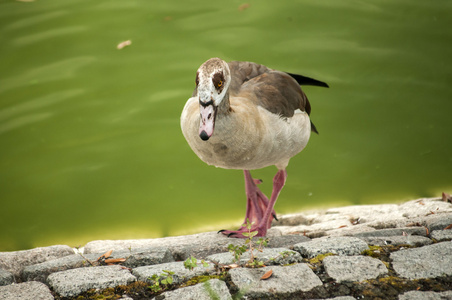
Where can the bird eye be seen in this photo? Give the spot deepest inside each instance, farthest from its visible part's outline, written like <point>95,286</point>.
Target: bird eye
<point>220,83</point>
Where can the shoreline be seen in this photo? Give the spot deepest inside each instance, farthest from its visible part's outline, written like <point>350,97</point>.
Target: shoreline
<point>380,240</point>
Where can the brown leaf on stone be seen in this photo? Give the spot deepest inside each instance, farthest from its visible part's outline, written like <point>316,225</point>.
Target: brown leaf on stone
<point>267,275</point>
<point>114,260</point>
<point>426,230</point>
<point>106,254</point>
<point>342,226</point>
<point>448,227</point>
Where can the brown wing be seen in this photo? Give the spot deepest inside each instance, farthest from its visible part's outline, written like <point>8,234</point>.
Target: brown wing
<point>275,91</point>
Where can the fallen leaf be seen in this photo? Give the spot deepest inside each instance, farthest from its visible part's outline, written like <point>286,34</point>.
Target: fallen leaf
<point>106,254</point>
<point>232,266</point>
<point>342,226</point>
<point>124,44</point>
<point>426,230</point>
<point>114,260</point>
<point>448,227</point>
<point>267,275</point>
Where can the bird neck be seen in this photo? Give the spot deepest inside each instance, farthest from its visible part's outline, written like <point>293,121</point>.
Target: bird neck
<point>225,106</point>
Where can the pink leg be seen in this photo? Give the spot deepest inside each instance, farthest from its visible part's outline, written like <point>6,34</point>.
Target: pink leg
<point>258,209</point>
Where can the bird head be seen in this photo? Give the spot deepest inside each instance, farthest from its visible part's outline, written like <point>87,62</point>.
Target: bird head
<point>212,83</point>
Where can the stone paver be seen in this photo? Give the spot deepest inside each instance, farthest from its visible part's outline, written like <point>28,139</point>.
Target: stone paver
<point>6,277</point>
<point>15,261</point>
<point>272,256</point>
<point>181,274</point>
<point>441,235</point>
<point>336,245</point>
<point>212,289</point>
<point>30,290</point>
<point>71,283</point>
<point>412,240</point>
<point>285,280</point>
<point>425,262</point>
<point>353,268</point>
<point>394,232</point>
<point>418,295</point>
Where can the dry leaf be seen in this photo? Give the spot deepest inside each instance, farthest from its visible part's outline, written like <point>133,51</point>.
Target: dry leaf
<point>114,260</point>
<point>106,254</point>
<point>267,275</point>
<point>342,226</point>
<point>232,266</point>
<point>448,227</point>
<point>124,44</point>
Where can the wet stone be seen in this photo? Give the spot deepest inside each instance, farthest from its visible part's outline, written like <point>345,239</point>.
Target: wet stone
<point>285,281</point>
<point>31,290</point>
<point>73,282</point>
<point>336,245</point>
<point>426,262</point>
<point>353,268</point>
<point>200,291</point>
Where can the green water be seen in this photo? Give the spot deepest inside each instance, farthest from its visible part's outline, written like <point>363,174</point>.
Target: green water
<point>90,142</point>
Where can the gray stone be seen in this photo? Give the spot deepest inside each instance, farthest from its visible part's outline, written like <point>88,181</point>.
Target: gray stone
<point>200,291</point>
<point>353,268</point>
<point>15,261</point>
<point>180,275</point>
<point>441,235</point>
<point>6,277</point>
<point>285,281</point>
<point>73,282</point>
<point>412,240</point>
<point>182,247</point>
<point>134,258</point>
<point>316,227</point>
<point>418,295</point>
<point>31,290</point>
<point>421,231</point>
<point>425,207</point>
<point>336,245</point>
<point>350,230</point>
<point>438,222</point>
<point>270,256</point>
<point>425,262</point>
<point>40,272</point>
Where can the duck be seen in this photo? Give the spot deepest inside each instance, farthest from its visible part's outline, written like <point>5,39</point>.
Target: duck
<point>246,116</point>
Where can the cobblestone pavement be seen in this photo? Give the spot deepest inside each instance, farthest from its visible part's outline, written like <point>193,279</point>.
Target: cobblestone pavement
<point>384,251</point>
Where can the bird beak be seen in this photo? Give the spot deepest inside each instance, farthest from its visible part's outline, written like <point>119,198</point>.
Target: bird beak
<point>207,122</point>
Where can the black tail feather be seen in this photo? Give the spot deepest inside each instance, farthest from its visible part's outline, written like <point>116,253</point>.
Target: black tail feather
<point>303,80</point>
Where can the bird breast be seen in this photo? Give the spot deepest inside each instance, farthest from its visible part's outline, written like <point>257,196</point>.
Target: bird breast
<point>249,137</point>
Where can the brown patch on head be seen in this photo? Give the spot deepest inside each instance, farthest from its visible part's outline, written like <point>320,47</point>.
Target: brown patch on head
<point>218,81</point>
<point>197,78</point>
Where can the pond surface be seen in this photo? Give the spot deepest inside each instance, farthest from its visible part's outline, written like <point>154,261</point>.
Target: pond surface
<point>90,141</point>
